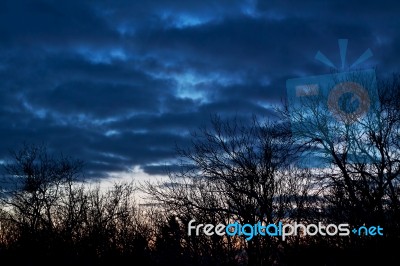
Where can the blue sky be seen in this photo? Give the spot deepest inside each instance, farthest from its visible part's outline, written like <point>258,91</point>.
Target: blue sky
<point>119,83</point>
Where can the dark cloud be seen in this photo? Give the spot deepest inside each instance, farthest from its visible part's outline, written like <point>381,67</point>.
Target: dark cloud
<point>120,83</point>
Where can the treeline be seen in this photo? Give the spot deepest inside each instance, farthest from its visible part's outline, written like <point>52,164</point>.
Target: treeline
<point>234,171</point>
<point>48,216</point>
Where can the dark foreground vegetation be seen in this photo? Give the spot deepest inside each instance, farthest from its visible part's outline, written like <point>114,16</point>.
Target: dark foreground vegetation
<point>232,171</point>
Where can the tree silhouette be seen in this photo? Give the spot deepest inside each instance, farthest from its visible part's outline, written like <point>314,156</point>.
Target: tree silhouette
<point>236,172</point>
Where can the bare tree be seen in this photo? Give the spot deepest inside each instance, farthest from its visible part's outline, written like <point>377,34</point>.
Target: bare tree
<point>46,213</point>
<point>235,172</point>
<point>357,149</point>
<point>34,183</point>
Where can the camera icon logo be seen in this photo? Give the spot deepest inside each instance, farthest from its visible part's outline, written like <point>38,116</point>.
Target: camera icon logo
<point>343,98</point>
<point>321,106</point>
<point>347,96</point>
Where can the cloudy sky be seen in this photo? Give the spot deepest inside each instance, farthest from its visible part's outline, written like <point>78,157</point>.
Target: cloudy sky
<point>119,83</point>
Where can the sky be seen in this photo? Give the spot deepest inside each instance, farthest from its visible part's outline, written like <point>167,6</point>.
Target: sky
<point>118,84</point>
